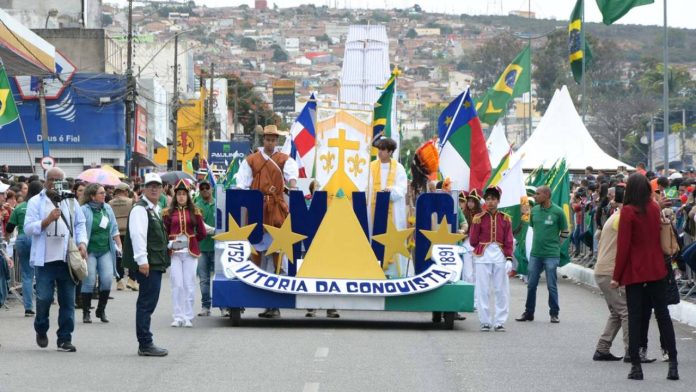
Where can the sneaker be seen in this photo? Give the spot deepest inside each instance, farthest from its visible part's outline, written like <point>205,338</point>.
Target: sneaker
<point>132,284</point>
<point>643,353</point>
<point>332,313</point>
<point>42,340</point>
<point>205,312</point>
<point>188,324</point>
<point>311,313</point>
<point>177,323</point>
<point>152,351</point>
<point>485,328</point>
<point>273,313</point>
<point>525,317</point>
<point>66,347</point>
<point>665,356</point>
<point>120,285</point>
<point>499,328</point>
<point>555,319</point>
<point>225,312</point>
<point>459,317</point>
<point>265,313</point>
<point>29,313</point>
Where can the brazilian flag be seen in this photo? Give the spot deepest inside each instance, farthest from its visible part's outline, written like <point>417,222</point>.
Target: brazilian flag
<point>577,45</point>
<point>381,123</point>
<point>513,82</point>
<point>613,10</point>
<point>8,110</point>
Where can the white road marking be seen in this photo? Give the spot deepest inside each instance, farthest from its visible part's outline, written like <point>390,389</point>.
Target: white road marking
<point>311,387</point>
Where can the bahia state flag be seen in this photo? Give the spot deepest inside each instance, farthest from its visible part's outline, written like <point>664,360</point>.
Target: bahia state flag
<point>8,110</point>
<point>512,83</point>
<point>577,45</point>
<point>463,153</point>
<point>300,144</point>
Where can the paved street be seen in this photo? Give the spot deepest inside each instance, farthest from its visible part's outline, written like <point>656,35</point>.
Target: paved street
<point>362,351</point>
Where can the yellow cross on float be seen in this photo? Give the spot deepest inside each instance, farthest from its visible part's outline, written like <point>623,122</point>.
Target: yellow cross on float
<point>236,233</point>
<point>441,236</point>
<point>343,144</point>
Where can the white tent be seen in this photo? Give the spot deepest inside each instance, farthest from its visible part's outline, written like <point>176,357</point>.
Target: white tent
<point>562,134</point>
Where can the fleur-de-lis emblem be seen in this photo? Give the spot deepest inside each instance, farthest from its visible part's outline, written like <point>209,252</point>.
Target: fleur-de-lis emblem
<point>356,162</point>
<point>328,159</point>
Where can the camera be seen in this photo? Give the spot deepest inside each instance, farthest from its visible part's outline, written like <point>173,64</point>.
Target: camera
<point>60,192</point>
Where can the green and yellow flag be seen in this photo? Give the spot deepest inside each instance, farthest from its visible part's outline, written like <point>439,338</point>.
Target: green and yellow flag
<point>8,109</point>
<point>513,82</point>
<point>577,45</point>
<point>613,10</point>
<point>499,171</point>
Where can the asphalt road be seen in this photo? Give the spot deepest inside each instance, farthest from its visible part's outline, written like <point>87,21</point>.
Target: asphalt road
<point>361,351</point>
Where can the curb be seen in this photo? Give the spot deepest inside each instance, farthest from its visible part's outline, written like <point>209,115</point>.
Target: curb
<point>684,311</point>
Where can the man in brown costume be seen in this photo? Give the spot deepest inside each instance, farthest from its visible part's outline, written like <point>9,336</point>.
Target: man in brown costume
<point>268,171</point>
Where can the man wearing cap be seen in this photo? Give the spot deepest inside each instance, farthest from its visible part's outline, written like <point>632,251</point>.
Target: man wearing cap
<point>268,171</point>
<point>51,219</point>
<point>388,175</point>
<point>121,204</point>
<point>145,253</point>
<point>491,237</point>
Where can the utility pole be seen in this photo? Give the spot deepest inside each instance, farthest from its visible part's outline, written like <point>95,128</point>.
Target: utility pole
<point>236,118</point>
<point>665,93</point>
<point>130,90</point>
<point>210,116</point>
<point>175,105</point>
<point>44,119</point>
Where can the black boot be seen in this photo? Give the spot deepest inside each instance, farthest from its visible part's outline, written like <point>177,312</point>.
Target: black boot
<point>636,372</point>
<point>673,373</point>
<point>101,307</point>
<point>86,304</point>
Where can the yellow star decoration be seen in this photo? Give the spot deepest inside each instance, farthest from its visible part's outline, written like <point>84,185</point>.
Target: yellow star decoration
<point>394,241</point>
<point>236,233</point>
<point>448,120</point>
<point>441,236</point>
<point>466,104</point>
<point>283,239</point>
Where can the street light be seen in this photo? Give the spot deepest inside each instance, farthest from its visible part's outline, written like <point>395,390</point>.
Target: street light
<point>51,14</point>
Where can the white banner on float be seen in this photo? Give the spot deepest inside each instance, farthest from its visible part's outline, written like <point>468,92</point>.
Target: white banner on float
<point>446,267</point>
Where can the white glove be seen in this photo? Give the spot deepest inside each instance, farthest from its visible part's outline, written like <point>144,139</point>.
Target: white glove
<point>508,266</point>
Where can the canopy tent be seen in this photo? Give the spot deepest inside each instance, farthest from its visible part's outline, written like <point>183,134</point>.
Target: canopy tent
<point>562,134</point>
<point>22,51</point>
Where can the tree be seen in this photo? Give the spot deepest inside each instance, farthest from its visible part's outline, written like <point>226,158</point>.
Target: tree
<point>547,71</point>
<point>248,43</point>
<point>279,55</point>
<point>251,108</point>
<point>411,33</point>
<point>491,59</point>
<point>324,38</point>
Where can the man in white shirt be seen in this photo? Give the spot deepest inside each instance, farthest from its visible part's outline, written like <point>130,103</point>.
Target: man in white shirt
<point>145,252</point>
<point>47,221</point>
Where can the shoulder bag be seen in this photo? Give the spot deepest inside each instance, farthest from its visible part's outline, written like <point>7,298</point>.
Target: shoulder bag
<point>77,266</point>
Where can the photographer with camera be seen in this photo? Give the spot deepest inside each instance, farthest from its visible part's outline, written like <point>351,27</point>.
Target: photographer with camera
<point>48,219</point>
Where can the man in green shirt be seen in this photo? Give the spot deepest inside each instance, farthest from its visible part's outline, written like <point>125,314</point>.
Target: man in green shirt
<point>550,229</point>
<point>206,262</point>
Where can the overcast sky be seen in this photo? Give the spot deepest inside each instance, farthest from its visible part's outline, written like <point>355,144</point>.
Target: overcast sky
<point>680,13</point>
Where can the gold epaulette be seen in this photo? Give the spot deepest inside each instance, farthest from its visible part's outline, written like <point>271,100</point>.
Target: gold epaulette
<point>506,217</point>
<point>197,211</point>
<point>477,218</point>
<point>165,211</point>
